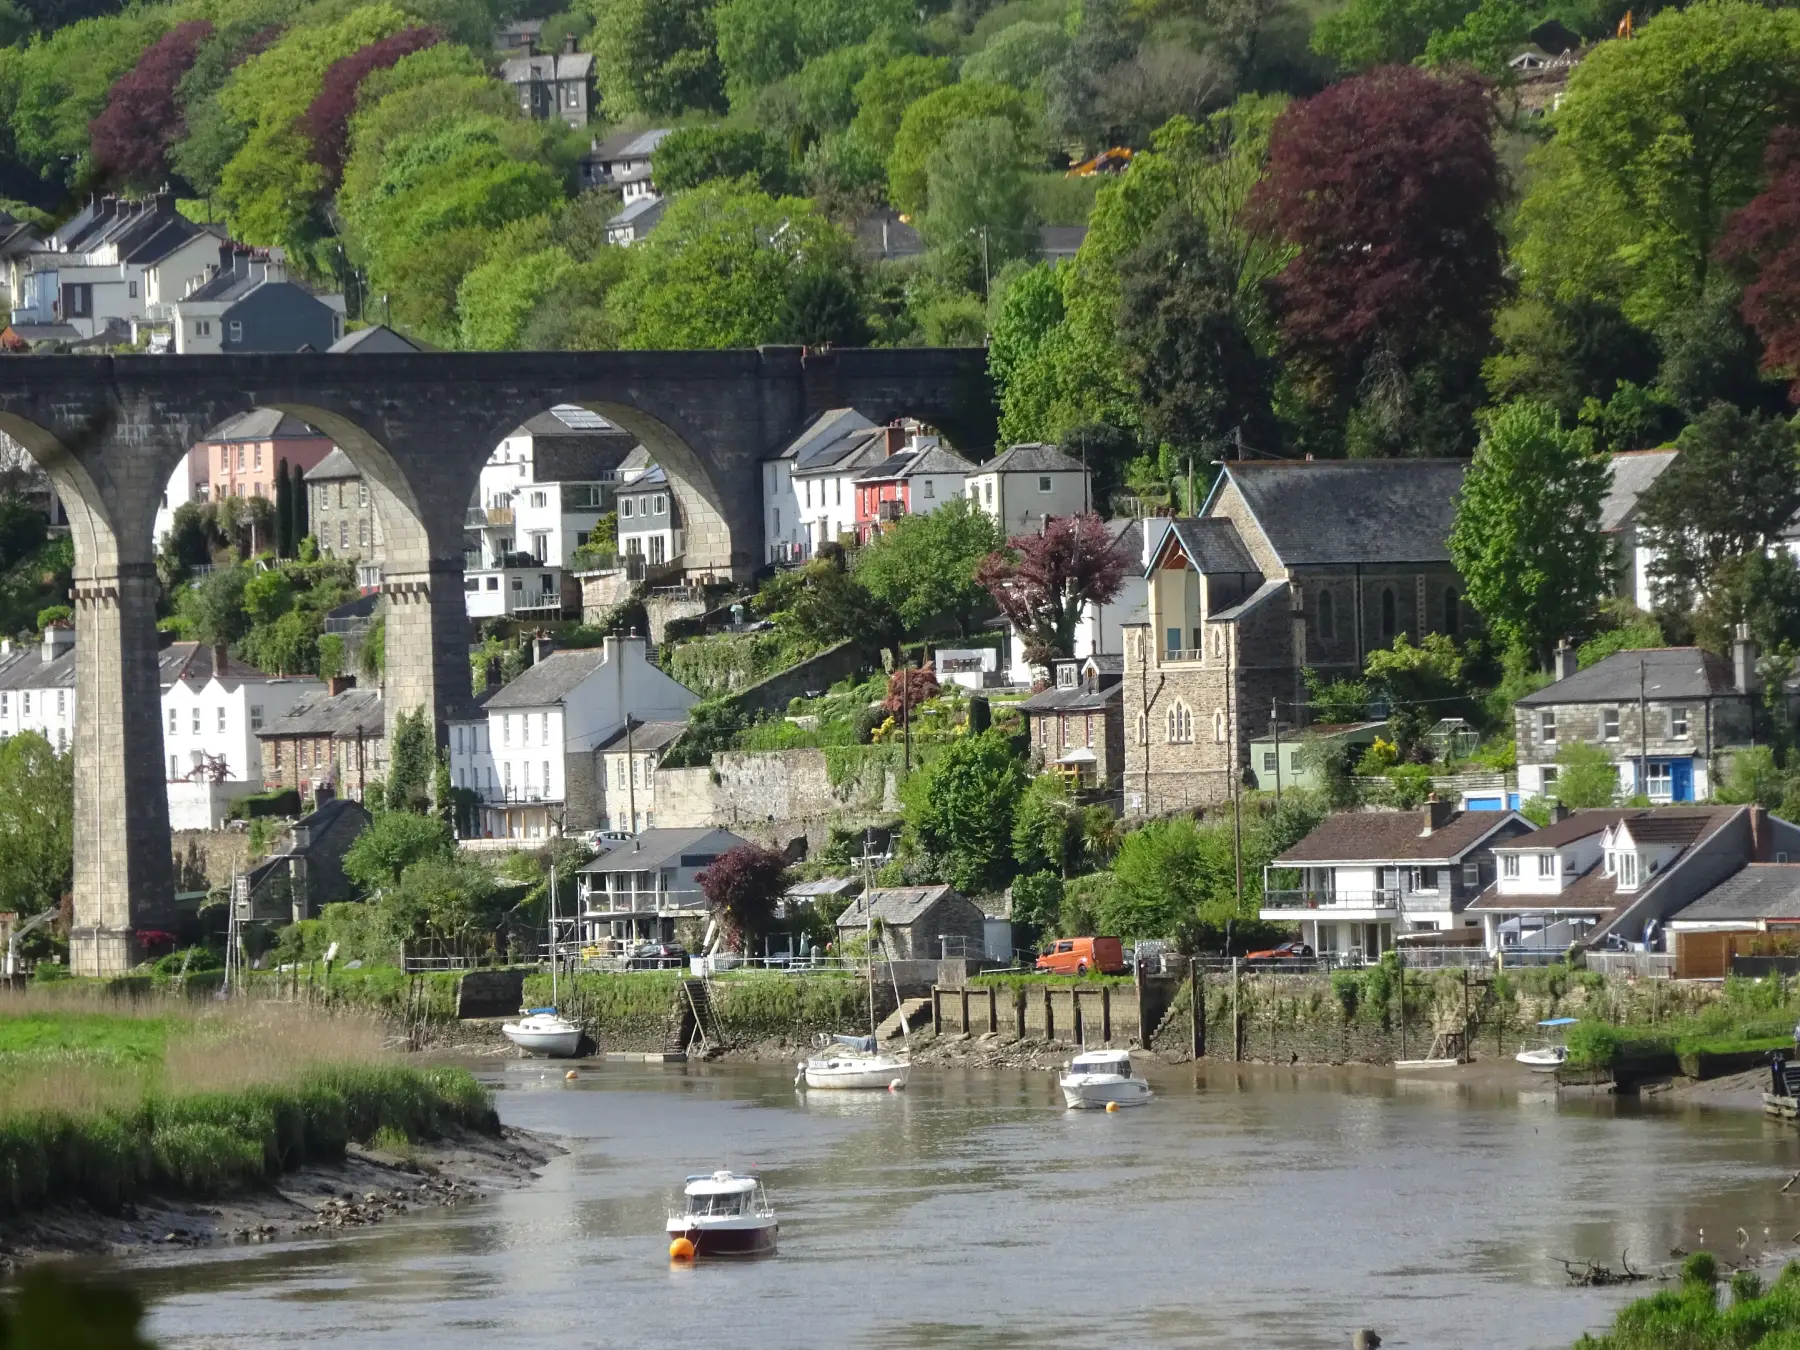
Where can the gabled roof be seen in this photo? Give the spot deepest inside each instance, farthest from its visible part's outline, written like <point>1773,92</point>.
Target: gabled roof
<point>629,145</point>
<point>645,737</point>
<point>1211,546</point>
<point>1035,457</point>
<point>895,905</point>
<point>833,441</point>
<point>1325,512</point>
<point>1633,472</point>
<point>654,478</point>
<point>353,713</point>
<point>197,662</point>
<point>653,849</point>
<point>547,66</point>
<point>335,465</point>
<point>1759,891</point>
<point>1595,892</point>
<point>911,463</point>
<point>1092,694</point>
<point>1667,673</point>
<point>642,213</point>
<point>1393,836</point>
<point>1658,824</point>
<point>261,424</point>
<point>550,680</point>
<point>375,338</point>
<point>27,669</point>
<point>1262,595</point>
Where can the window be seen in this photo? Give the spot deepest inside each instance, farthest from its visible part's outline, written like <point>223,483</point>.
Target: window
<point>1547,726</point>
<point>362,534</point>
<point>506,729</point>
<point>1678,723</point>
<point>256,461</point>
<point>171,714</point>
<point>506,769</point>
<point>1609,724</point>
<point>1658,780</point>
<point>574,96</point>
<point>661,503</point>
<point>546,778</point>
<point>628,507</point>
<point>131,289</point>
<point>1062,730</point>
<point>237,331</point>
<point>1088,731</point>
<point>62,703</point>
<point>256,717</point>
<point>544,728</point>
<point>1472,875</point>
<point>1219,725</point>
<point>1180,724</point>
<point>1390,625</point>
<point>195,726</point>
<point>1625,869</point>
<point>493,583</point>
<point>930,489</point>
<point>1043,726</point>
<point>1452,612</point>
<point>343,534</point>
<point>456,739</point>
<point>1218,642</point>
<point>540,498</point>
<point>1546,865</point>
<point>25,704</point>
<point>1268,761</point>
<point>1043,482</point>
<point>1327,619</point>
<point>1143,729</point>
<point>175,768</point>
<point>221,717</point>
<point>362,494</point>
<point>242,456</point>
<point>990,492</point>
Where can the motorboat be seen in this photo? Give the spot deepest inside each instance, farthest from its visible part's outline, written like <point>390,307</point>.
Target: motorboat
<point>853,1062</point>
<point>1097,1079</point>
<point>545,1032</point>
<point>722,1214</point>
<point>1550,1057</point>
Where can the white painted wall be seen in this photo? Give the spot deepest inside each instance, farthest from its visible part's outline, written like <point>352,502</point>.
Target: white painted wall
<point>784,531</point>
<point>206,721</point>
<point>471,757</point>
<point>1019,502</point>
<point>827,505</point>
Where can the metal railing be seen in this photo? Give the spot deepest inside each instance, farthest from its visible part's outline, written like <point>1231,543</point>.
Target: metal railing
<point>1445,958</point>
<point>1644,965</point>
<point>1183,654</point>
<point>1385,897</point>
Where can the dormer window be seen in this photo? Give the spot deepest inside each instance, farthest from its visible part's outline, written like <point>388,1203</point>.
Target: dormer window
<point>1509,865</point>
<point>1066,676</point>
<point>1624,869</point>
<point>1546,865</point>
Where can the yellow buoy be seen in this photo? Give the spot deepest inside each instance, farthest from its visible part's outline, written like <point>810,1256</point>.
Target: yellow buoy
<point>681,1250</point>
<point>1112,1106</point>
<point>570,1076</point>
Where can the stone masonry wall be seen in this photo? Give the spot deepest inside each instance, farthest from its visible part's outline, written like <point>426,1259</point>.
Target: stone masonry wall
<point>770,795</point>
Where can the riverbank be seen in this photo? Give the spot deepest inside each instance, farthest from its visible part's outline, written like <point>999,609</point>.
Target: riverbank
<point>363,1188</point>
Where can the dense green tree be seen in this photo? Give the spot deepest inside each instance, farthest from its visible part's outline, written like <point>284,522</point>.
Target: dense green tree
<point>926,126</point>
<point>822,309</point>
<point>717,271</point>
<point>656,57</point>
<point>979,216</point>
<point>924,568</point>
<point>1731,491</point>
<point>284,511</point>
<point>215,607</point>
<point>394,841</point>
<point>1585,776</point>
<point>691,156</point>
<point>761,41</point>
<point>1527,538</point>
<point>820,604</point>
<point>412,755</point>
<point>1021,54</point>
<point>1158,880</point>
<point>886,91</point>
<point>1046,826</point>
<point>1422,684</point>
<point>450,896</point>
<point>960,808</point>
<point>37,788</point>
<point>1368,33</point>
<point>51,90</point>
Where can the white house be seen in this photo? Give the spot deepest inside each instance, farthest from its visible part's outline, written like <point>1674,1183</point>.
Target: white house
<point>1022,487</point>
<point>471,755</point>
<point>912,482</point>
<point>809,492</point>
<point>637,891</point>
<point>649,518</point>
<point>1101,631</point>
<point>37,687</point>
<point>544,729</point>
<point>1632,473</point>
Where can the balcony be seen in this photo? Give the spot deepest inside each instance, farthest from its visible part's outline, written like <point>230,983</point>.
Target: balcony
<point>889,510</point>
<point>1385,899</point>
<point>484,517</point>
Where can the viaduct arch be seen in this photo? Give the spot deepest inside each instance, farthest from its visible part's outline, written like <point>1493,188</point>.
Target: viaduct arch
<point>110,430</point>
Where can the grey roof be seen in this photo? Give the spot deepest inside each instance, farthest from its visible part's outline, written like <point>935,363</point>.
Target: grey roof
<point>1590,821</point>
<point>1211,546</point>
<point>895,905</point>
<point>885,235</point>
<point>547,66</point>
<point>261,424</point>
<point>1034,457</point>
<point>808,890</point>
<point>352,713</point>
<point>1393,836</point>
<point>197,661</point>
<point>550,680</point>
<point>1322,512</point>
<point>1260,596</point>
<point>1060,241</point>
<point>27,669</point>
<point>44,332</point>
<point>335,465</point>
<point>641,214</point>
<point>1093,694</point>
<point>655,848</point>
<point>935,459</point>
<point>629,145</point>
<point>1759,891</point>
<point>567,419</point>
<point>1632,473</point>
<point>375,338</point>
<point>831,440</point>
<point>1668,673</point>
<point>653,479</point>
<point>645,736</point>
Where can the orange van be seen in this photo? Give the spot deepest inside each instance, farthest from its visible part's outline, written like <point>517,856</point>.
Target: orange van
<point>1077,956</point>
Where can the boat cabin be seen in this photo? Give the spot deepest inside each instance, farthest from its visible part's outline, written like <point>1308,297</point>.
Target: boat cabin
<point>1102,1061</point>
<point>721,1195</point>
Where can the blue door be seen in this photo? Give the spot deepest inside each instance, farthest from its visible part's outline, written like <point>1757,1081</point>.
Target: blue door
<point>1681,780</point>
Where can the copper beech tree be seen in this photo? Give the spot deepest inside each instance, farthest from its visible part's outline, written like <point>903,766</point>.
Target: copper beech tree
<point>1764,238</point>
<point>1041,581</point>
<point>326,121</point>
<point>142,119</point>
<point>742,887</point>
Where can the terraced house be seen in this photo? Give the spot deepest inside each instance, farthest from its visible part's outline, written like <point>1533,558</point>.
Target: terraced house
<point>1288,565</point>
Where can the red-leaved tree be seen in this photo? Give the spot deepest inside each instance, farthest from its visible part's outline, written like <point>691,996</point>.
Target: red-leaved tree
<point>1763,237</point>
<point>326,121</point>
<point>1388,187</point>
<point>1041,581</point>
<point>742,887</point>
<point>132,135</point>
<point>908,687</point>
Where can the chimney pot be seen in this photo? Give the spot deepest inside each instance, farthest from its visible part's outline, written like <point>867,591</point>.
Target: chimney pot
<point>1436,815</point>
<point>569,44</point>
<point>1564,663</point>
<point>1743,661</point>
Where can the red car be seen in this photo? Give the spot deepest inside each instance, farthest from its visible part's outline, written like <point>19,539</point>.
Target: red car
<point>1287,951</point>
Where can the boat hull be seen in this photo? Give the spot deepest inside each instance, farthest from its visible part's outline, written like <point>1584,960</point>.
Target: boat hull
<point>708,1240</point>
<point>1540,1061</point>
<point>847,1074</point>
<point>544,1044</point>
<point>1096,1094</point>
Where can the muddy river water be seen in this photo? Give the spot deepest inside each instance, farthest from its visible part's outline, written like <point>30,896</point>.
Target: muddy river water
<point>1242,1207</point>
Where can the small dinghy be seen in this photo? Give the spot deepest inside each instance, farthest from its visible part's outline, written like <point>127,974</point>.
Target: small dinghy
<point>1550,1057</point>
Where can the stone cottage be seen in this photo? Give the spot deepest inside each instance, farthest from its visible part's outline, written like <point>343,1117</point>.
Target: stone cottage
<point>913,920</point>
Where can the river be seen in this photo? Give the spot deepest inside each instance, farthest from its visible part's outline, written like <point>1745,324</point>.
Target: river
<point>1242,1207</point>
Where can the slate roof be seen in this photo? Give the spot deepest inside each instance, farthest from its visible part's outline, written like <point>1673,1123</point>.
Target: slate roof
<point>645,737</point>
<point>629,145</point>
<point>550,680</point>
<point>260,424</point>
<point>839,440</point>
<point>1211,546</point>
<point>1594,891</point>
<point>641,214</point>
<point>27,669</point>
<point>898,906</point>
<point>567,419</point>
<point>547,66</point>
<point>1056,242</point>
<point>652,849</point>
<point>1649,824</point>
<point>375,338</point>
<point>935,459</point>
<point>1632,472</point>
<point>345,715</point>
<point>652,479</point>
<point>1391,836</point>
<point>1759,891</point>
<point>1668,673</point>
<point>198,662</point>
<point>1088,696</point>
<point>335,465</point>
<point>1330,512</point>
<point>1035,457</point>
<point>1260,596</point>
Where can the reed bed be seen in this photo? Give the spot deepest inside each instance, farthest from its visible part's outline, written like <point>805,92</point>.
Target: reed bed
<point>105,1103</point>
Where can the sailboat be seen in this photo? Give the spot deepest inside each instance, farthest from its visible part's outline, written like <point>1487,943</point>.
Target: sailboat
<point>545,1031</point>
<point>857,1061</point>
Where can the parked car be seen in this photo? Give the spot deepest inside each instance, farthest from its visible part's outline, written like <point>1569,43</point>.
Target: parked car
<point>1286,953</point>
<point>1077,956</point>
<point>657,956</point>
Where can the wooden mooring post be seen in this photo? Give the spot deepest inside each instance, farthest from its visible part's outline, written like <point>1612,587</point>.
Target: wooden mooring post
<point>993,1010</point>
<point>1237,1015</point>
<point>1106,1014</point>
<point>1197,1011</point>
<point>1049,1016</point>
<point>965,1010</point>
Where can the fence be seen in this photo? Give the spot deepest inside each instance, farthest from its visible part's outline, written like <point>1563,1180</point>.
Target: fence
<point>1641,965</point>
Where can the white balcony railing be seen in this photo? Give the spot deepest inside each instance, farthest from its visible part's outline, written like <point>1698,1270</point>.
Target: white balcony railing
<point>1385,898</point>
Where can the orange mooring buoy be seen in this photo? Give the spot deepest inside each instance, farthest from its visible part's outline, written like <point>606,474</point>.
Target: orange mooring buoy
<point>570,1076</point>
<point>1112,1106</point>
<point>681,1250</point>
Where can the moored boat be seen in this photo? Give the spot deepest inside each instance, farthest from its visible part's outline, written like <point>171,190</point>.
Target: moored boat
<point>1550,1057</point>
<point>854,1062</point>
<point>723,1214</point>
<point>543,1031</point>
<point>1102,1078</point>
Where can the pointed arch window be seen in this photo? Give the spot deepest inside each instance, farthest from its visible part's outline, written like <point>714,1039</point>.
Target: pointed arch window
<point>1180,723</point>
<point>1219,725</point>
<point>1327,619</point>
<point>1390,624</point>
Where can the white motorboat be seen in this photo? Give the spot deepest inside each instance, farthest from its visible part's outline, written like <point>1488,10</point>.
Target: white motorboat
<point>854,1062</point>
<point>1547,1058</point>
<point>543,1031</point>
<point>1102,1078</point>
<point>722,1214</point>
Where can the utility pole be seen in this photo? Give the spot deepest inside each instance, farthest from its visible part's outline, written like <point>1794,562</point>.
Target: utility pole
<point>1275,728</point>
<point>1643,772</point>
<point>630,777</point>
<point>906,715</point>
<point>1231,735</point>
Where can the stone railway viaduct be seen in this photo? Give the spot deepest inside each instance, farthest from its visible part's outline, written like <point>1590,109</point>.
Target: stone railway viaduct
<point>110,430</point>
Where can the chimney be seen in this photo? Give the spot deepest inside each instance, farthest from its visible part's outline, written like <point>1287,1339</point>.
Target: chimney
<point>59,639</point>
<point>1436,813</point>
<point>541,647</point>
<point>340,684</point>
<point>1743,661</point>
<point>227,251</point>
<point>1759,834</point>
<point>896,438</point>
<point>1564,662</point>
<point>1558,813</point>
<point>221,660</point>
<point>568,44</point>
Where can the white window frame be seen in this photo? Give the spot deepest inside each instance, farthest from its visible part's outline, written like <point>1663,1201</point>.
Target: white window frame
<point>1547,726</point>
<point>1609,724</point>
